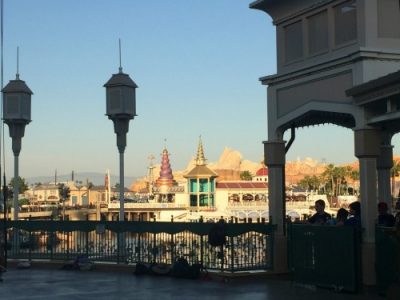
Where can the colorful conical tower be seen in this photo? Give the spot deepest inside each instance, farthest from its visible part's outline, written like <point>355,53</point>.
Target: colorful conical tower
<point>166,178</point>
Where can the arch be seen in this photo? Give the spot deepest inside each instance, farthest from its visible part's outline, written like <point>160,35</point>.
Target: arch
<point>317,113</point>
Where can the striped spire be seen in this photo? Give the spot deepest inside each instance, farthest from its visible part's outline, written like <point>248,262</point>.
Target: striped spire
<point>200,159</point>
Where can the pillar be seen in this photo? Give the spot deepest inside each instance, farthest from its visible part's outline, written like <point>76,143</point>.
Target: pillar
<point>274,159</point>
<point>367,149</point>
<point>384,165</point>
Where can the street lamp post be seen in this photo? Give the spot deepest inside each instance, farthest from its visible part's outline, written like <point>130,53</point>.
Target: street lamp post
<point>16,114</point>
<point>121,108</point>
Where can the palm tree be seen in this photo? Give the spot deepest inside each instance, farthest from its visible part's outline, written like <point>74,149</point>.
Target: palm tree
<point>310,182</point>
<point>246,175</point>
<point>394,171</point>
<point>355,176</point>
<point>328,175</point>
<point>337,177</point>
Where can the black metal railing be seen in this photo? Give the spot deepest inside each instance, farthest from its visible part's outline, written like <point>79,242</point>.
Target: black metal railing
<point>327,256</point>
<point>387,257</point>
<point>248,245</point>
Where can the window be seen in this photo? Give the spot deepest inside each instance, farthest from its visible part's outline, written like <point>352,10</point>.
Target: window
<point>318,33</point>
<point>193,185</point>
<point>193,200</point>
<point>203,185</point>
<point>389,19</point>
<point>345,22</point>
<point>203,200</point>
<point>293,42</point>
<point>12,104</point>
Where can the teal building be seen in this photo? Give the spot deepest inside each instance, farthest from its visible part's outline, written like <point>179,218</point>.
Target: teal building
<point>201,183</point>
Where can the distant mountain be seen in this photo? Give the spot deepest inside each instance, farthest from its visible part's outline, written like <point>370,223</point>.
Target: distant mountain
<point>95,178</point>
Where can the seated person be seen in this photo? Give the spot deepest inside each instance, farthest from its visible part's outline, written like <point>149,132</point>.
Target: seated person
<point>355,214</point>
<point>384,218</point>
<point>320,217</point>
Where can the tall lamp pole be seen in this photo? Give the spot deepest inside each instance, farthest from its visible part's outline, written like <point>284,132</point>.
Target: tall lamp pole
<point>16,114</point>
<point>121,108</point>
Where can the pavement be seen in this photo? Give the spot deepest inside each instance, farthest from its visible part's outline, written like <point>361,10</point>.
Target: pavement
<point>110,283</point>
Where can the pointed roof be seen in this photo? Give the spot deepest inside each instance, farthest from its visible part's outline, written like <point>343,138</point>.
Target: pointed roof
<point>201,169</point>
<point>17,86</point>
<point>166,178</point>
<point>120,79</point>
<point>200,159</point>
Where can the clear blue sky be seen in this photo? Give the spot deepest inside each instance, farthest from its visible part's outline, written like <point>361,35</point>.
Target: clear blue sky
<point>196,63</point>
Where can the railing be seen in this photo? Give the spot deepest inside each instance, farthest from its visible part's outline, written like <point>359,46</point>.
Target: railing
<point>387,257</point>
<point>248,246</point>
<point>246,204</point>
<point>147,205</point>
<point>327,256</point>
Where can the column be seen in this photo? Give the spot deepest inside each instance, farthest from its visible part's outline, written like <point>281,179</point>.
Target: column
<point>384,165</point>
<point>367,149</point>
<point>274,158</point>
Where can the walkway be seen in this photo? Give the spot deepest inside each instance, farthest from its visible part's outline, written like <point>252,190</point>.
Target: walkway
<point>59,284</point>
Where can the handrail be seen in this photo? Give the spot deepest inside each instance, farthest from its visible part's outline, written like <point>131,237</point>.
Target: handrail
<point>248,245</point>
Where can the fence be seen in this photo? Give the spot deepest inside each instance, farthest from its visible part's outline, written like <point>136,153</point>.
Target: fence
<point>326,256</point>
<point>248,246</point>
<point>387,257</point>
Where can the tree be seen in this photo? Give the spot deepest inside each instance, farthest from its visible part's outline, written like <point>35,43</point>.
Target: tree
<point>394,171</point>
<point>63,191</point>
<point>310,182</point>
<point>23,201</point>
<point>328,177</point>
<point>246,175</point>
<point>336,178</point>
<point>22,185</point>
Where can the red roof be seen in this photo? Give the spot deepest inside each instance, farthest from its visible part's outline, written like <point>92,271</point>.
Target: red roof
<point>262,172</point>
<point>242,185</point>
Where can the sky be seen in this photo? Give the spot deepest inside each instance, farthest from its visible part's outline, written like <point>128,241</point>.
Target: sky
<point>197,64</point>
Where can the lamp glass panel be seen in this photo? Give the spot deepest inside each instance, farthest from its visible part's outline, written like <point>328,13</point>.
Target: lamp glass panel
<point>12,106</point>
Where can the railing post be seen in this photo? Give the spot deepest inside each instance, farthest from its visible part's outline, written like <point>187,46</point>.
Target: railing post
<point>269,243</point>
<point>139,246</point>
<point>201,245</point>
<point>172,243</point>
<point>67,244</point>
<point>118,246</point>
<point>232,248</point>
<point>154,248</point>
<point>50,239</point>
<point>232,254</point>
<point>30,242</point>
<point>87,239</point>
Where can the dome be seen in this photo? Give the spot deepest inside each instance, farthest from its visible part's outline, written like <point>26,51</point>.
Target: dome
<point>262,172</point>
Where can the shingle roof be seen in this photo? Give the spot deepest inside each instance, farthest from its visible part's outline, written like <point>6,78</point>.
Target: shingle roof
<point>200,171</point>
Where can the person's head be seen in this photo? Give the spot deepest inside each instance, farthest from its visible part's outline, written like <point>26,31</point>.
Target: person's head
<point>397,220</point>
<point>320,205</point>
<point>355,208</point>
<point>382,208</point>
<point>342,215</point>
